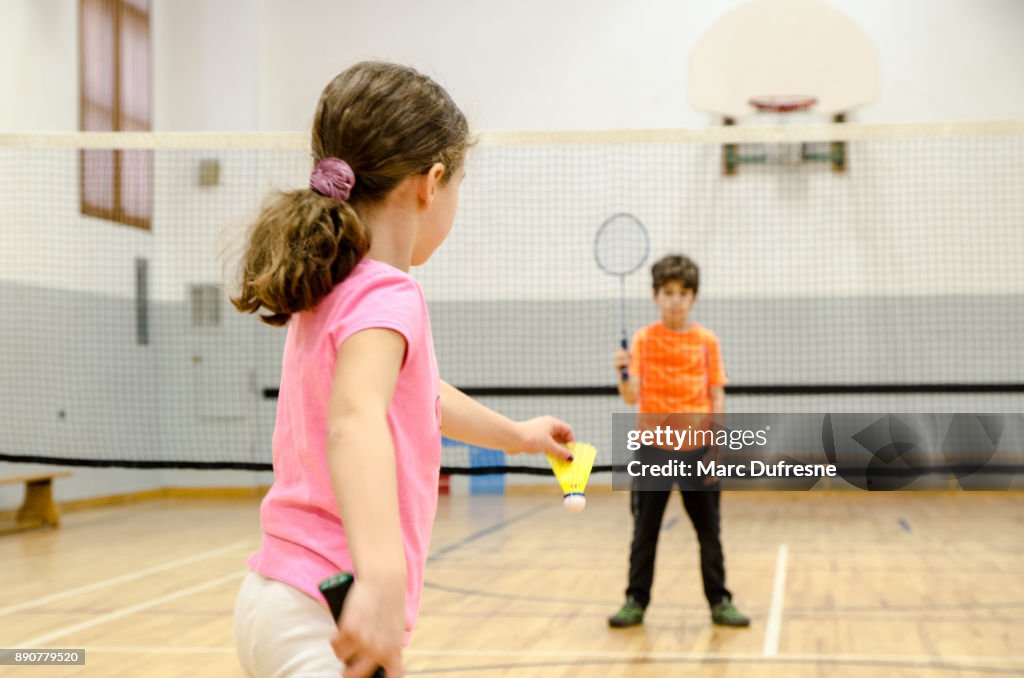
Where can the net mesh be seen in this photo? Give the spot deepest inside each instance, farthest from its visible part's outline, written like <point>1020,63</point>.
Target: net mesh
<point>893,286</point>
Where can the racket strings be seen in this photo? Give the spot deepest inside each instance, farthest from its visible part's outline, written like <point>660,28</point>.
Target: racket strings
<point>621,245</point>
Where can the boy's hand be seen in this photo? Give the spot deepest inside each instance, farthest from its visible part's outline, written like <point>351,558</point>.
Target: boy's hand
<point>371,630</point>
<point>621,360</point>
<point>543,435</point>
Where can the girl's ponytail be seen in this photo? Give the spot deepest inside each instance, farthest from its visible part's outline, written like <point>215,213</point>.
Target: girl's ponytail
<point>301,246</point>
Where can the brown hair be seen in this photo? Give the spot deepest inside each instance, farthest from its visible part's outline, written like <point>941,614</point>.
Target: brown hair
<point>676,267</point>
<point>388,122</point>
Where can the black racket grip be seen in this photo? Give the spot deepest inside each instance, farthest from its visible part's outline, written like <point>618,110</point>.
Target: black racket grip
<point>624,373</point>
<point>334,590</point>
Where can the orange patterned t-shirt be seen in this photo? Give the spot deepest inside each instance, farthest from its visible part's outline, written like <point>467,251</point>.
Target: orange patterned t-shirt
<point>676,369</point>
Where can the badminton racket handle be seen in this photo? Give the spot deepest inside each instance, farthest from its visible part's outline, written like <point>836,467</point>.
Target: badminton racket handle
<point>624,372</point>
<point>335,590</point>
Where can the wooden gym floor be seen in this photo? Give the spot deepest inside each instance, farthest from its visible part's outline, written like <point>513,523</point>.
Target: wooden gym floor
<point>837,583</point>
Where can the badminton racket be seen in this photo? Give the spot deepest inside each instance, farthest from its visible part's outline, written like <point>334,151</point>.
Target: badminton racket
<point>334,590</point>
<point>621,246</point>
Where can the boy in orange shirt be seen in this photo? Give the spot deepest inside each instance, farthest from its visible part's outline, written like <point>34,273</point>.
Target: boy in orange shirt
<point>675,366</point>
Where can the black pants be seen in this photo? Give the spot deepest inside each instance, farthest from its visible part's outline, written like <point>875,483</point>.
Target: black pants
<point>648,510</point>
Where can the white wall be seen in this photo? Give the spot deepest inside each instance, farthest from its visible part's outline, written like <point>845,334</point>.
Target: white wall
<point>537,64</point>
<point>204,65</point>
<point>533,64</point>
<point>945,59</point>
<point>38,65</point>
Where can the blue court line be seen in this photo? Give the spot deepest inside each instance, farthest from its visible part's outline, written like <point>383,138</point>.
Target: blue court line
<point>905,525</point>
<point>497,527</point>
<point>670,524</point>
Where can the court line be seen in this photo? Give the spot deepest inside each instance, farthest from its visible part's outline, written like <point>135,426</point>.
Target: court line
<point>815,611</point>
<point>479,534</point>
<point>42,640</point>
<point>773,628</point>
<point>157,649</point>
<point>552,659</point>
<point>554,600</point>
<point>953,662</point>
<point>757,661</point>
<point>610,654</point>
<point>121,579</point>
<point>601,654</point>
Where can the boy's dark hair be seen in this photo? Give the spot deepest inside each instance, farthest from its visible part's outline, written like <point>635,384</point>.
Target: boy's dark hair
<point>387,122</point>
<point>676,267</point>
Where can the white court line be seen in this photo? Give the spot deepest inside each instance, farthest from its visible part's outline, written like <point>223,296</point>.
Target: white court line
<point>714,656</point>
<point>773,628</point>
<point>40,641</point>
<point>35,602</point>
<point>745,657</point>
<point>906,659</point>
<point>157,649</point>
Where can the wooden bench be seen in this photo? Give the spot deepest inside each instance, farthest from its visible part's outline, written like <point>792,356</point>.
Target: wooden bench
<point>38,508</point>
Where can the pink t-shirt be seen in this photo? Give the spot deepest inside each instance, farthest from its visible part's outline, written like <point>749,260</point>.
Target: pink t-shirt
<point>303,538</point>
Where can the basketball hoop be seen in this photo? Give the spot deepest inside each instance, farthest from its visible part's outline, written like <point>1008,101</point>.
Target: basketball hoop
<point>782,109</point>
<point>782,103</point>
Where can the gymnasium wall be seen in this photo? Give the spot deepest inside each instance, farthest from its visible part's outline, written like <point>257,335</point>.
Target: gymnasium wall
<point>775,249</point>
<point>609,65</point>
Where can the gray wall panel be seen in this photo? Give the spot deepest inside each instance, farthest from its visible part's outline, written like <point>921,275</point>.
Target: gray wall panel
<point>764,341</point>
<point>76,353</point>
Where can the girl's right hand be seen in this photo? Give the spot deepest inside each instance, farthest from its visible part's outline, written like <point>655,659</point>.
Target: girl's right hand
<point>371,630</point>
<point>621,359</point>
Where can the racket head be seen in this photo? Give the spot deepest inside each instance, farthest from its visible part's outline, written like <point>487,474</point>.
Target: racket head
<point>621,244</point>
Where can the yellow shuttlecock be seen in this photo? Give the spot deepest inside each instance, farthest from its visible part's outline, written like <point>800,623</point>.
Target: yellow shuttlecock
<point>573,475</point>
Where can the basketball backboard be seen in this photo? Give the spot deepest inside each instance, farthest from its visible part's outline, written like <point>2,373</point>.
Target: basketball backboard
<point>783,48</point>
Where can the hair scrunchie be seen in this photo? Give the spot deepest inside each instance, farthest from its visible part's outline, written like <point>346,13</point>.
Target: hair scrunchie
<point>333,178</point>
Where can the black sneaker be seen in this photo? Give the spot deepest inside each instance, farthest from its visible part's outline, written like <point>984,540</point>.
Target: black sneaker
<point>631,614</point>
<point>726,614</point>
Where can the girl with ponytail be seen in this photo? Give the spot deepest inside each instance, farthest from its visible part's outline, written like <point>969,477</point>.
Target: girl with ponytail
<point>361,410</point>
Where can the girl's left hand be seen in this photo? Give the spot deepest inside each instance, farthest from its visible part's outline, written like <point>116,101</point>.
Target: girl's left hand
<point>544,435</point>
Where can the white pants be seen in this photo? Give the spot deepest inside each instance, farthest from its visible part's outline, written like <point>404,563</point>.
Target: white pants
<point>281,632</point>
